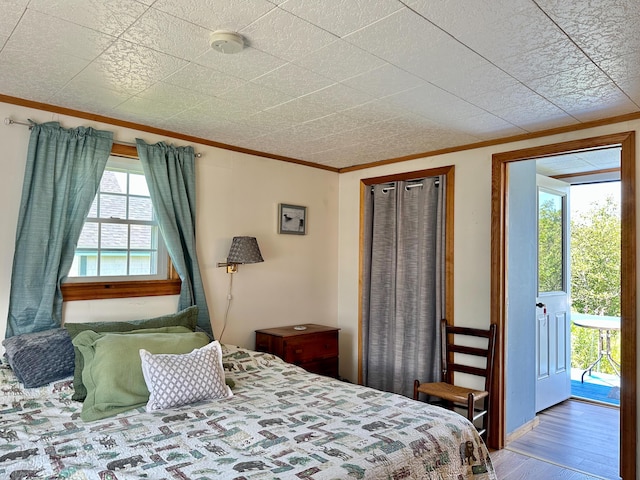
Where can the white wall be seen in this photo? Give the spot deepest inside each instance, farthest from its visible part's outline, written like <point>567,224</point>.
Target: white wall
<point>472,243</point>
<point>237,194</point>
<point>472,230</point>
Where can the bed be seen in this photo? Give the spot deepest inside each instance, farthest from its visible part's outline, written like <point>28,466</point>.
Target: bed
<point>281,422</point>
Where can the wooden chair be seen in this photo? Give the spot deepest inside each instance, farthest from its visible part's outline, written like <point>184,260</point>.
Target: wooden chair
<point>453,360</point>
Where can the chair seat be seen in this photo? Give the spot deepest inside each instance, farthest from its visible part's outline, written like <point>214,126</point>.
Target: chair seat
<point>450,392</point>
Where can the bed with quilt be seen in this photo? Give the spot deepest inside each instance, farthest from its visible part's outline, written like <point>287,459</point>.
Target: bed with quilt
<point>260,418</point>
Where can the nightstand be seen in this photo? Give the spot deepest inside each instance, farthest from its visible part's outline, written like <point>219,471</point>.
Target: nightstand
<point>314,348</point>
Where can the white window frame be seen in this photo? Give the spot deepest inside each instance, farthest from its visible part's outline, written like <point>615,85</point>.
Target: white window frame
<point>132,166</point>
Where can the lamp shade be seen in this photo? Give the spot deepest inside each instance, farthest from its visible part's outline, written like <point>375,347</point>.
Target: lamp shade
<point>244,250</point>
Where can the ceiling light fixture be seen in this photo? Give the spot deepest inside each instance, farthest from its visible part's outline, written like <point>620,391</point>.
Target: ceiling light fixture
<point>225,41</point>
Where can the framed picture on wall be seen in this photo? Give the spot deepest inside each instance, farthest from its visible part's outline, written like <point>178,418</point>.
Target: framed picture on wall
<point>292,219</point>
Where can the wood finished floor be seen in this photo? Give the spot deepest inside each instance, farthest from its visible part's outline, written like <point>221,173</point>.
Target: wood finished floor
<point>515,466</point>
<point>580,436</point>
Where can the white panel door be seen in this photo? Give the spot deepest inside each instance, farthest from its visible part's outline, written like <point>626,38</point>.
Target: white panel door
<point>553,315</point>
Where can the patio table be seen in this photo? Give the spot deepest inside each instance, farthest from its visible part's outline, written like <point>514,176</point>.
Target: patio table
<point>605,325</point>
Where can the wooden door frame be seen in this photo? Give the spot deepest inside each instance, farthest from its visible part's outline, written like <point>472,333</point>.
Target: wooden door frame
<point>628,296</point>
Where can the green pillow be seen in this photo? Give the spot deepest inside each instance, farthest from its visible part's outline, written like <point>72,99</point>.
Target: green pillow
<point>113,369</point>
<point>80,390</point>
<point>184,318</point>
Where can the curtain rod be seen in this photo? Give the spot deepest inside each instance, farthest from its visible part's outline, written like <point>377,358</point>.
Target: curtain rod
<point>407,187</point>
<point>10,121</point>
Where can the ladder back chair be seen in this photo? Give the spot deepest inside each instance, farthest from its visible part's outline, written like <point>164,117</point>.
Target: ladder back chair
<point>454,359</point>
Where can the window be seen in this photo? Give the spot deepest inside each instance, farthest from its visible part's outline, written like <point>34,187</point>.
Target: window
<point>551,254</point>
<point>120,248</point>
<point>120,237</point>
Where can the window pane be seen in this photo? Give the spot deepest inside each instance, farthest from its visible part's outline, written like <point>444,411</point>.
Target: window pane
<point>142,237</point>
<point>142,263</point>
<point>138,185</point>
<point>113,263</point>
<point>550,251</point>
<point>113,236</point>
<point>85,264</point>
<point>88,236</point>
<point>113,206</point>
<point>113,182</point>
<point>140,208</point>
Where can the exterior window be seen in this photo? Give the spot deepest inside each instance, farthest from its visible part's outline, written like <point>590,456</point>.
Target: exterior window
<point>120,240</point>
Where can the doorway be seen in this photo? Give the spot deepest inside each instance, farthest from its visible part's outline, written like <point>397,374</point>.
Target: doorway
<point>576,292</point>
<point>500,229</point>
<point>595,263</point>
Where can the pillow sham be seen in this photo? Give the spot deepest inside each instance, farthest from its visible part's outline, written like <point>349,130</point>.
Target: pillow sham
<point>175,380</point>
<point>79,388</point>
<point>113,370</point>
<point>184,318</point>
<point>40,358</point>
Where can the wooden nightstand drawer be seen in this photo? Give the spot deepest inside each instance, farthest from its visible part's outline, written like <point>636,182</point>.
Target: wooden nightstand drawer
<point>327,367</point>
<point>315,348</point>
<point>307,348</point>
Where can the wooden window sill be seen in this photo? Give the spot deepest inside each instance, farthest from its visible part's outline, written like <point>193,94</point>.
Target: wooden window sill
<point>104,290</point>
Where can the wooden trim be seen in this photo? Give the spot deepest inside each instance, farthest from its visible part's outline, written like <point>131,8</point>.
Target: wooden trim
<point>449,248</point>
<point>128,289</point>
<point>158,131</point>
<point>497,415</point>
<point>628,296</point>
<point>203,141</point>
<point>430,172</point>
<point>526,428</point>
<point>449,171</point>
<point>498,141</point>
<point>173,273</point>
<point>361,241</point>
<point>584,174</point>
<point>628,306</point>
<point>120,150</point>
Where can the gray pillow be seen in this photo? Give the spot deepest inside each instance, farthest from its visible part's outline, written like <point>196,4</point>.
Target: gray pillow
<point>42,357</point>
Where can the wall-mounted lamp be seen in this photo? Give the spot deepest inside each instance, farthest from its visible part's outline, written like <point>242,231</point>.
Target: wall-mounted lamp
<point>243,250</point>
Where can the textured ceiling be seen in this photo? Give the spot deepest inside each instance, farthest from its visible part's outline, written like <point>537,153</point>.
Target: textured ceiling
<point>333,82</point>
<point>601,164</point>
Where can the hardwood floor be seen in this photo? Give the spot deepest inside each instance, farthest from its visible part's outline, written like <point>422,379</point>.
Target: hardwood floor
<point>581,436</point>
<point>516,466</point>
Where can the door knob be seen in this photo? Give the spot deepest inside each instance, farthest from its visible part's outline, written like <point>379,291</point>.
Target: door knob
<point>540,305</point>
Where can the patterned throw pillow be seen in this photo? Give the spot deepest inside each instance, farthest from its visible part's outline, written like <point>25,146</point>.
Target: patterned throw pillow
<point>175,380</point>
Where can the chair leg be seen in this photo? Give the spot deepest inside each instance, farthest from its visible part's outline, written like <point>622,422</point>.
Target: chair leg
<point>416,384</point>
<point>471,406</point>
<point>485,419</point>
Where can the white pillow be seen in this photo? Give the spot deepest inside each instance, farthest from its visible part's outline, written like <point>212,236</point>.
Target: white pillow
<point>174,380</point>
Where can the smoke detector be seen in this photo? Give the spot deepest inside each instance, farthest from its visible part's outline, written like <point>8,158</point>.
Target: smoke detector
<point>224,41</point>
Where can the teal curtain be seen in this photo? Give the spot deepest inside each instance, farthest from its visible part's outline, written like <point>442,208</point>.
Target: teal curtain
<point>170,174</point>
<point>62,176</point>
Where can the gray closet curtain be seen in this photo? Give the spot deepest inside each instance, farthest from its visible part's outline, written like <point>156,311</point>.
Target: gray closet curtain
<point>403,291</point>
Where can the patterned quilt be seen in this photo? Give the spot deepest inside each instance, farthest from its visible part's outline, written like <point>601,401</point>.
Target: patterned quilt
<point>281,423</point>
